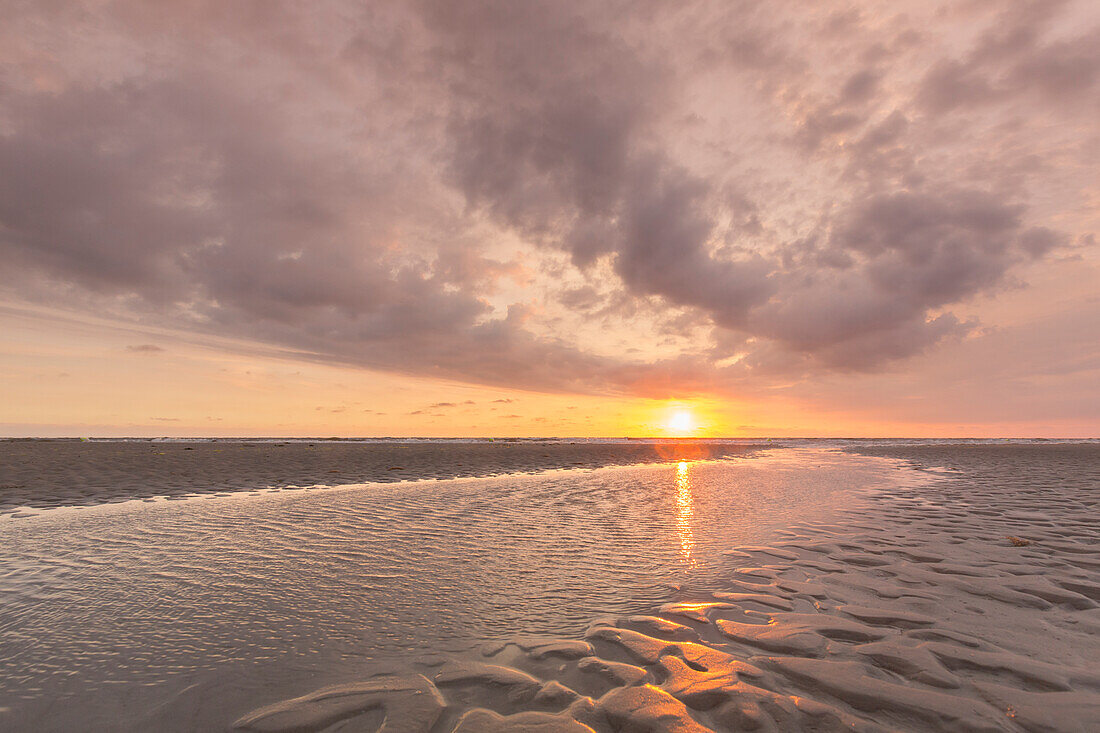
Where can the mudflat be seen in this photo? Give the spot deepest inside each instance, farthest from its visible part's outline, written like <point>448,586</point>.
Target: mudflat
<point>969,602</point>
<point>915,587</point>
<point>49,473</point>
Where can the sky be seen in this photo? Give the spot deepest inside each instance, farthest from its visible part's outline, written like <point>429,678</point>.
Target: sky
<point>544,218</point>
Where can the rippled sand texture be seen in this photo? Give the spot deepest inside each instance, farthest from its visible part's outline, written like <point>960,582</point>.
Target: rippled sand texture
<point>50,473</point>
<point>184,615</point>
<point>918,612</point>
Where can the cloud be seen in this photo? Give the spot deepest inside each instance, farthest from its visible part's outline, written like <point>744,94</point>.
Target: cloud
<point>524,147</point>
<point>450,189</point>
<point>1015,59</point>
<point>887,263</point>
<point>144,348</point>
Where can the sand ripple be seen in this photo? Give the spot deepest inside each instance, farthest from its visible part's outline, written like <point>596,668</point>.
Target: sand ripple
<point>50,473</point>
<point>184,615</point>
<point>916,613</point>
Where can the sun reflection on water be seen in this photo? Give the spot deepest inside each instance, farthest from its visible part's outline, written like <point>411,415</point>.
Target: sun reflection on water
<point>685,512</point>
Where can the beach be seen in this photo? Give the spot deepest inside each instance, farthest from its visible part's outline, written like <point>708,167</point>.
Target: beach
<point>472,367</point>
<point>48,473</point>
<point>809,586</point>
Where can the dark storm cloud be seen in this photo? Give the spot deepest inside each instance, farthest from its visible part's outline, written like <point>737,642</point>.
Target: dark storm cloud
<point>337,187</point>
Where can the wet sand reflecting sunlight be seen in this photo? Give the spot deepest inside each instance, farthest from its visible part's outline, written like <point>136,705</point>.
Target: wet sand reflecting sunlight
<point>221,602</point>
<point>685,512</point>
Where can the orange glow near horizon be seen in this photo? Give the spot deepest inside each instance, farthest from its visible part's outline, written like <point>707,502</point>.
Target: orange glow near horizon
<point>81,377</point>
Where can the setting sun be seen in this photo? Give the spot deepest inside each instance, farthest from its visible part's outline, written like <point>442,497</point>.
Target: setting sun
<point>555,324</point>
<point>681,421</point>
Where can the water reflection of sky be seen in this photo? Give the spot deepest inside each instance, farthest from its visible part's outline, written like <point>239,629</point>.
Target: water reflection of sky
<point>219,596</point>
<point>685,512</point>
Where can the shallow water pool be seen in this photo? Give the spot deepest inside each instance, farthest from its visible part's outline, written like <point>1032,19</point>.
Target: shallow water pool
<point>182,615</point>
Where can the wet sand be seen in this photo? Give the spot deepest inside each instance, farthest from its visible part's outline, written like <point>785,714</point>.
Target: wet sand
<point>965,598</point>
<point>958,590</point>
<point>52,473</point>
<point>179,616</point>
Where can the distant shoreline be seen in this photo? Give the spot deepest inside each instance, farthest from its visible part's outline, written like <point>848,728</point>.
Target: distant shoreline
<point>546,439</point>
<point>43,474</point>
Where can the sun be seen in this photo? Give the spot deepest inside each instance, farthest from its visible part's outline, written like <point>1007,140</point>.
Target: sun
<point>680,422</point>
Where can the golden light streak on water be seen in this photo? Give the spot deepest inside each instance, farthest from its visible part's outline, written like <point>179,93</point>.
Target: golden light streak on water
<point>685,512</point>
